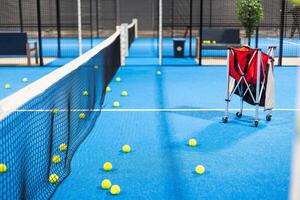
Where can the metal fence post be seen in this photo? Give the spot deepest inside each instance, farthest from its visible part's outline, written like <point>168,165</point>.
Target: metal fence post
<point>281,32</point>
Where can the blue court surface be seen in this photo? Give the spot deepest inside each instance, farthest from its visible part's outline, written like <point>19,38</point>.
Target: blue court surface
<point>159,116</point>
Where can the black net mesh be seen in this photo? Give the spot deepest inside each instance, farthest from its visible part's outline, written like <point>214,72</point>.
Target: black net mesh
<point>29,139</point>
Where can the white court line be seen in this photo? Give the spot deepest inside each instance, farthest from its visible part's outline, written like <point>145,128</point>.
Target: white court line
<point>297,44</point>
<point>152,110</point>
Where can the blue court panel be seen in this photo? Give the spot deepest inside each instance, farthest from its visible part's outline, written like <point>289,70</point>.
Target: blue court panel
<point>242,162</point>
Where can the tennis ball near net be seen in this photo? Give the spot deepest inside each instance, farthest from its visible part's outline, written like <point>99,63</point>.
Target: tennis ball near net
<point>124,93</point>
<point>7,86</point>
<point>54,110</point>
<point>85,93</point>
<point>3,168</point>
<point>53,178</point>
<point>115,189</point>
<point>105,184</point>
<point>126,148</point>
<point>56,159</point>
<point>107,166</point>
<point>158,73</point>
<point>118,79</point>
<point>24,80</point>
<point>81,115</point>
<point>108,89</point>
<point>63,147</point>
<point>192,142</point>
<point>200,169</point>
<point>116,104</point>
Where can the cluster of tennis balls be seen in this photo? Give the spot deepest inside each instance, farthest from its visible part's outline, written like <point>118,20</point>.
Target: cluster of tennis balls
<point>56,159</point>
<point>107,166</point>
<point>200,169</point>
<point>8,86</point>
<point>123,93</point>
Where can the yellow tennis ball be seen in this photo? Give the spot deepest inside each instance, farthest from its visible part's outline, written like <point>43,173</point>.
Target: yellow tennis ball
<point>118,79</point>
<point>53,178</point>
<point>56,159</point>
<point>3,168</point>
<point>63,147</point>
<point>126,148</point>
<point>200,169</point>
<point>54,110</point>
<point>107,166</point>
<point>7,86</point>
<point>24,80</point>
<point>85,93</point>
<point>116,104</point>
<point>158,72</point>
<point>124,93</point>
<point>105,184</point>
<point>115,189</point>
<point>108,89</point>
<point>192,142</point>
<point>81,115</point>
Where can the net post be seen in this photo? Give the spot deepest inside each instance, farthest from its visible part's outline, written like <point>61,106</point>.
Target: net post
<point>79,27</point>
<point>160,32</point>
<point>135,21</point>
<point>124,42</point>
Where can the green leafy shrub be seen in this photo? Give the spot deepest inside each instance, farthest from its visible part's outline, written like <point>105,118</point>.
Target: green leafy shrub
<point>250,14</point>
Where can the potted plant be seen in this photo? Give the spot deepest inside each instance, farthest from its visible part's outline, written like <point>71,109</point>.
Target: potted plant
<point>250,14</point>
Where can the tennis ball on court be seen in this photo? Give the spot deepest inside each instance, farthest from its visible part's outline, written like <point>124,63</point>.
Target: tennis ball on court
<point>81,115</point>
<point>105,184</point>
<point>108,89</point>
<point>124,93</point>
<point>63,147</point>
<point>192,142</point>
<point>96,67</point>
<point>116,104</point>
<point>3,168</point>
<point>118,79</point>
<point>25,80</point>
<point>56,159</point>
<point>107,166</point>
<point>115,189</point>
<point>200,169</point>
<point>53,178</point>
<point>7,86</point>
<point>85,93</point>
<point>126,148</point>
<point>158,73</point>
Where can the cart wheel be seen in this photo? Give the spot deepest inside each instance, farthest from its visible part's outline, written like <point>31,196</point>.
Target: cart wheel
<point>255,123</point>
<point>225,119</point>
<point>239,114</point>
<point>269,117</point>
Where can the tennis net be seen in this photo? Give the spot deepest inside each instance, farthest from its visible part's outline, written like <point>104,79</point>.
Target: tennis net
<point>42,124</point>
<point>132,32</point>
